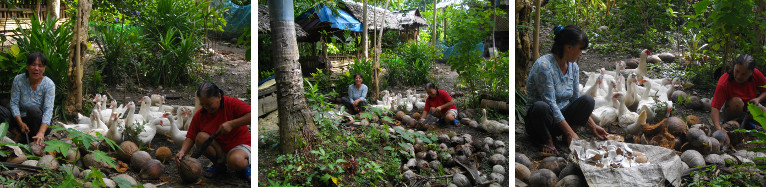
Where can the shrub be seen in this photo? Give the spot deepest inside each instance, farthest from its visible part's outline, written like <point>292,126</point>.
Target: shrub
<point>121,51</point>
<point>410,64</point>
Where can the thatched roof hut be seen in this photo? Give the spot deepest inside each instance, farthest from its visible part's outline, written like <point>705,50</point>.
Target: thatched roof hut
<point>386,19</point>
<point>410,19</point>
<point>264,23</point>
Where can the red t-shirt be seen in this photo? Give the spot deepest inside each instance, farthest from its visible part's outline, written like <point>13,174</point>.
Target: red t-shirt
<point>726,89</point>
<point>232,108</point>
<point>440,99</point>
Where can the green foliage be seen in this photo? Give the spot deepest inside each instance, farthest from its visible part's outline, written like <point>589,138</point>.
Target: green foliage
<point>176,61</point>
<point>130,133</point>
<point>359,66</point>
<point>731,26</point>
<point>57,146</point>
<point>521,106</point>
<point>317,99</point>
<point>14,63</point>
<point>760,117</point>
<point>410,63</point>
<point>121,49</point>
<point>711,177</point>
<point>3,129</point>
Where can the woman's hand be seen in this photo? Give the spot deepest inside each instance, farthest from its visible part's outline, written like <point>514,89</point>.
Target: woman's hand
<point>39,138</point>
<point>24,127</point>
<point>179,156</point>
<point>599,132</point>
<point>225,128</point>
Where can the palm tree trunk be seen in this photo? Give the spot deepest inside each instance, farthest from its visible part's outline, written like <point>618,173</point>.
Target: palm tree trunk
<point>365,45</point>
<point>76,57</point>
<point>296,126</point>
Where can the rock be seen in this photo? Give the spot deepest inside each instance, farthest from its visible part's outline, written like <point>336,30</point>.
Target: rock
<point>523,159</point>
<point>543,178</point>
<point>125,177</point>
<point>570,181</point>
<point>500,170</point>
<point>692,158</point>
<point>473,124</point>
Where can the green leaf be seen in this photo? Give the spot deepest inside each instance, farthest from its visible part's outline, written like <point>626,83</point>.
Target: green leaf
<point>122,183</point>
<point>340,161</point>
<point>69,182</point>
<point>101,156</point>
<point>57,146</point>
<point>96,176</point>
<point>325,178</point>
<point>15,50</point>
<point>3,129</point>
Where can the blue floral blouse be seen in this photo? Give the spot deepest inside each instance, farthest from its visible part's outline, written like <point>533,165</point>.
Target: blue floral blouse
<point>22,94</point>
<point>547,83</point>
<point>354,94</point>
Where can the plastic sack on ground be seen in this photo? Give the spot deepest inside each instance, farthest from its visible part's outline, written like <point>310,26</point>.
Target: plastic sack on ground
<point>664,164</point>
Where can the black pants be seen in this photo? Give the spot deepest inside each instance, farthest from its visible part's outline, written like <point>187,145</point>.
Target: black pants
<point>350,105</point>
<point>33,120</point>
<point>540,125</point>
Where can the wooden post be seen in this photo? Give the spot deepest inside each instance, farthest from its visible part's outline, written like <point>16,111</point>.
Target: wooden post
<point>433,32</point>
<point>53,9</point>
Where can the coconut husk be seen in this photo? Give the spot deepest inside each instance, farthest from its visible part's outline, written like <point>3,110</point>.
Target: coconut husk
<point>665,140</point>
<point>654,129</point>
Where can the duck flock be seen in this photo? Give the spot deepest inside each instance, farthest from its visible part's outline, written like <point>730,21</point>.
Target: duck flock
<point>155,117</point>
<point>628,97</point>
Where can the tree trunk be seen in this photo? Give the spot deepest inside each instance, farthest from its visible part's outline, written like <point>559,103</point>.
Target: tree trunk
<point>365,45</point>
<point>296,125</point>
<point>76,57</point>
<point>376,64</point>
<point>759,16</point>
<point>433,32</point>
<point>523,44</point>
<point>536,37</point>
<point>53,9</point>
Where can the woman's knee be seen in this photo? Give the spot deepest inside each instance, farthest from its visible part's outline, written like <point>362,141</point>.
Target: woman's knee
<point>735,103</point>
<point>539,105</point>
<point>33,110</point>
<point>237,160</point>
<point>201,137</point>
<point>588,100</point>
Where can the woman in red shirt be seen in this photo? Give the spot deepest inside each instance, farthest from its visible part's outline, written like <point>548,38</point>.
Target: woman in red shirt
<point>227,116</point>
<point>440,104</point>
<point>735,89</point>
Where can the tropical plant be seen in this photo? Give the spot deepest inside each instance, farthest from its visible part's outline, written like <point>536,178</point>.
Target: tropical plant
<point>175,58</point>
<point>121,50</point>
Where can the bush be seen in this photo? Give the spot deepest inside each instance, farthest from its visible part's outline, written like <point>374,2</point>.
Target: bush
<point>359,66</point>
<point>121,51</point>
<point>410,63</point>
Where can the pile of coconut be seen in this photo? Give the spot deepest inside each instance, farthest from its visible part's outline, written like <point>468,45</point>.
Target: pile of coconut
<point>458,156</point>
<point>551,171</point>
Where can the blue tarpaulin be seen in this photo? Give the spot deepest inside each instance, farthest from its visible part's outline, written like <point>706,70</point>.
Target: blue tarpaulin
<point>342,21</point>
<point>450,50</point>
<point>237,19</point>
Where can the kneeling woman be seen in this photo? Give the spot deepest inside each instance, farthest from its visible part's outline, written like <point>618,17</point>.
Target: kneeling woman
<point>227,116</point>
<point>32,96</point>
<point>554,102</point>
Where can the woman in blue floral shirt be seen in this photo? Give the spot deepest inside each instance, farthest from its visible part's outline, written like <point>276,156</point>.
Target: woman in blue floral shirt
<point>553,100</point>
<point>357,95</point>
<point>32,96</point>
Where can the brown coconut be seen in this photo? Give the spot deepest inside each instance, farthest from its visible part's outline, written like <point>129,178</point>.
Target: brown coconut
<point>570,181</point>
<point>12,158</point>
<point>692,120</point>
<point>37,149</point>
<point>416,115</point>
<point>543,178</point>
<point>523,159</point>
<point>163,154</point>
<point>48,162</point>
<point>151,170</point>
<point>400,114</point>
<point>694,103</point>
<point>138,159</point>
<point>72,156</point>
<point>190,169</point>
<point>128,148</point>
<point>678,93</point>
<point>89,160</point>
<point>465,121</point>
<point>693,158</point>
<point>676,126</point>
<point>695,137</point>
<point>722,138</point>
<point>555,164</point>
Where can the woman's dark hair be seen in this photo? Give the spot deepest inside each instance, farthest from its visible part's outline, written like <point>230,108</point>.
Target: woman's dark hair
<point>208,89</point>
<point>359,75</point>
<point>569,35</point>
<point>34,56</point>
<point>743,60</point>
<point>430,85</point>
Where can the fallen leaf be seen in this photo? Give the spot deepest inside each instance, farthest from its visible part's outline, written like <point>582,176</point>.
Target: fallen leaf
<point>334,180</point>
<point>121,167</point>
<point>164,179</point>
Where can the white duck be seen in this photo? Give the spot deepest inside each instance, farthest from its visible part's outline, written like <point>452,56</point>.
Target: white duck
<point>98,127</point>
<point>162,107</point>
<point>607,114</point>
<point>605,99</point>
<point>145,110</point>
<point>178,135</point>
<point>83,127</point>
<point>131,118</point>
<point>150,130</point>
<point>626,116</point>
<point>115,126</point>
<point>631,97</point>
<point>162,125</point>
<point>492,126</point>
<point>592,89</point>
<point>640,71</point>
<point>189,115</point>
<point>646,102</point>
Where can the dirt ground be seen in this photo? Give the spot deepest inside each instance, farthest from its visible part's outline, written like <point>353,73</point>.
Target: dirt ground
<point>445,79</point>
